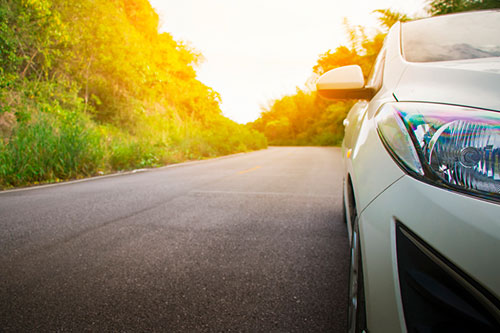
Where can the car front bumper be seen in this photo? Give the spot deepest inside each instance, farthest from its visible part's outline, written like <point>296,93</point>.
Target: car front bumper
<point>462,230</point>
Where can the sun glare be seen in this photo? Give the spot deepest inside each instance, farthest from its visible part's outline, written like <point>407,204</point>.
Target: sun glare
<point>257,51</point>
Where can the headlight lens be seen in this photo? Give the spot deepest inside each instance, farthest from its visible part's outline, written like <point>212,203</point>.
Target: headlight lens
<point>447,145</point>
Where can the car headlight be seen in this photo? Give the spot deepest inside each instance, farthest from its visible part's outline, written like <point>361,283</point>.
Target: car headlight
<point>449,146</point>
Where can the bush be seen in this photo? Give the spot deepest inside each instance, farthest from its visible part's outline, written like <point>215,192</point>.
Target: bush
<point>50,149</point>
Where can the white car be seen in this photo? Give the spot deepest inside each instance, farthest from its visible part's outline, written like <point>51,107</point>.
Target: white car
<point>422,177</point>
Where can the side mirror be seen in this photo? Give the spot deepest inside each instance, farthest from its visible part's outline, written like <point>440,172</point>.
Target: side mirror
<point>344,83</point>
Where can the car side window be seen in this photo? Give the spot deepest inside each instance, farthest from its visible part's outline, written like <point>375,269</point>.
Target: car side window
<point>376,75</point>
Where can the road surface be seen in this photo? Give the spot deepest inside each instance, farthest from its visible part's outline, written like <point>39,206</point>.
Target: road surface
<point>249,243</point>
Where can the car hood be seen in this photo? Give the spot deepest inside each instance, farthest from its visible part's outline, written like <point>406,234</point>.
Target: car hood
<point>474,83</point>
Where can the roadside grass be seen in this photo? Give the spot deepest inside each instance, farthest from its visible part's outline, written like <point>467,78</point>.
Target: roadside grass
<point>48,149</point>
<point>51,144</point>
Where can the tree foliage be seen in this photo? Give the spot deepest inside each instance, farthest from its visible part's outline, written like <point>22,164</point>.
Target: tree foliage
<point>440,7</point>
<point>96,79</point>
<point>304,118</point>
<point>387,17</point>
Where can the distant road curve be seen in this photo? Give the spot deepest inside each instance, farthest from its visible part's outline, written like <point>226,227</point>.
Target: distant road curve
<point>253,242</point>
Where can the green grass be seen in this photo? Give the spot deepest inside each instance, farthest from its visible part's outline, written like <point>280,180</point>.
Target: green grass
<point>55,144</point>
<point>47,149</point>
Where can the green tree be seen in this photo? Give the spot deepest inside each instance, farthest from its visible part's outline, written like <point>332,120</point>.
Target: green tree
<point>440,7</point>
<point>387,17</point>
<point>92,86</point>
<point>305,119</point>
<point>31,37</point>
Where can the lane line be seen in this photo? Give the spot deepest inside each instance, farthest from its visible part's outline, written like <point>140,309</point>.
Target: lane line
<point>249,170</point>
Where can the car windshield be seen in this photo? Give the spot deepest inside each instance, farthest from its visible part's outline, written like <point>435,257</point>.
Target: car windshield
<point>454,37</point>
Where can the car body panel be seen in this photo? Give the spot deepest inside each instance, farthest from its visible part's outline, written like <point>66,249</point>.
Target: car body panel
<point>360,132</point>
<point>449,218</point>
<point>367,163</point>
<point>469,83</point>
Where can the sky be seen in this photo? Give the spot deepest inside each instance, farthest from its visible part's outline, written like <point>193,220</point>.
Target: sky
<point>260,50</point>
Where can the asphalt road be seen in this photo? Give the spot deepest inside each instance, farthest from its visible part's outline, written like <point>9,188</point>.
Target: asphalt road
<point>249,243</point>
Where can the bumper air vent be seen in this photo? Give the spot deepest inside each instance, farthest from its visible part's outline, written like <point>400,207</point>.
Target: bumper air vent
<point>437,296</point>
